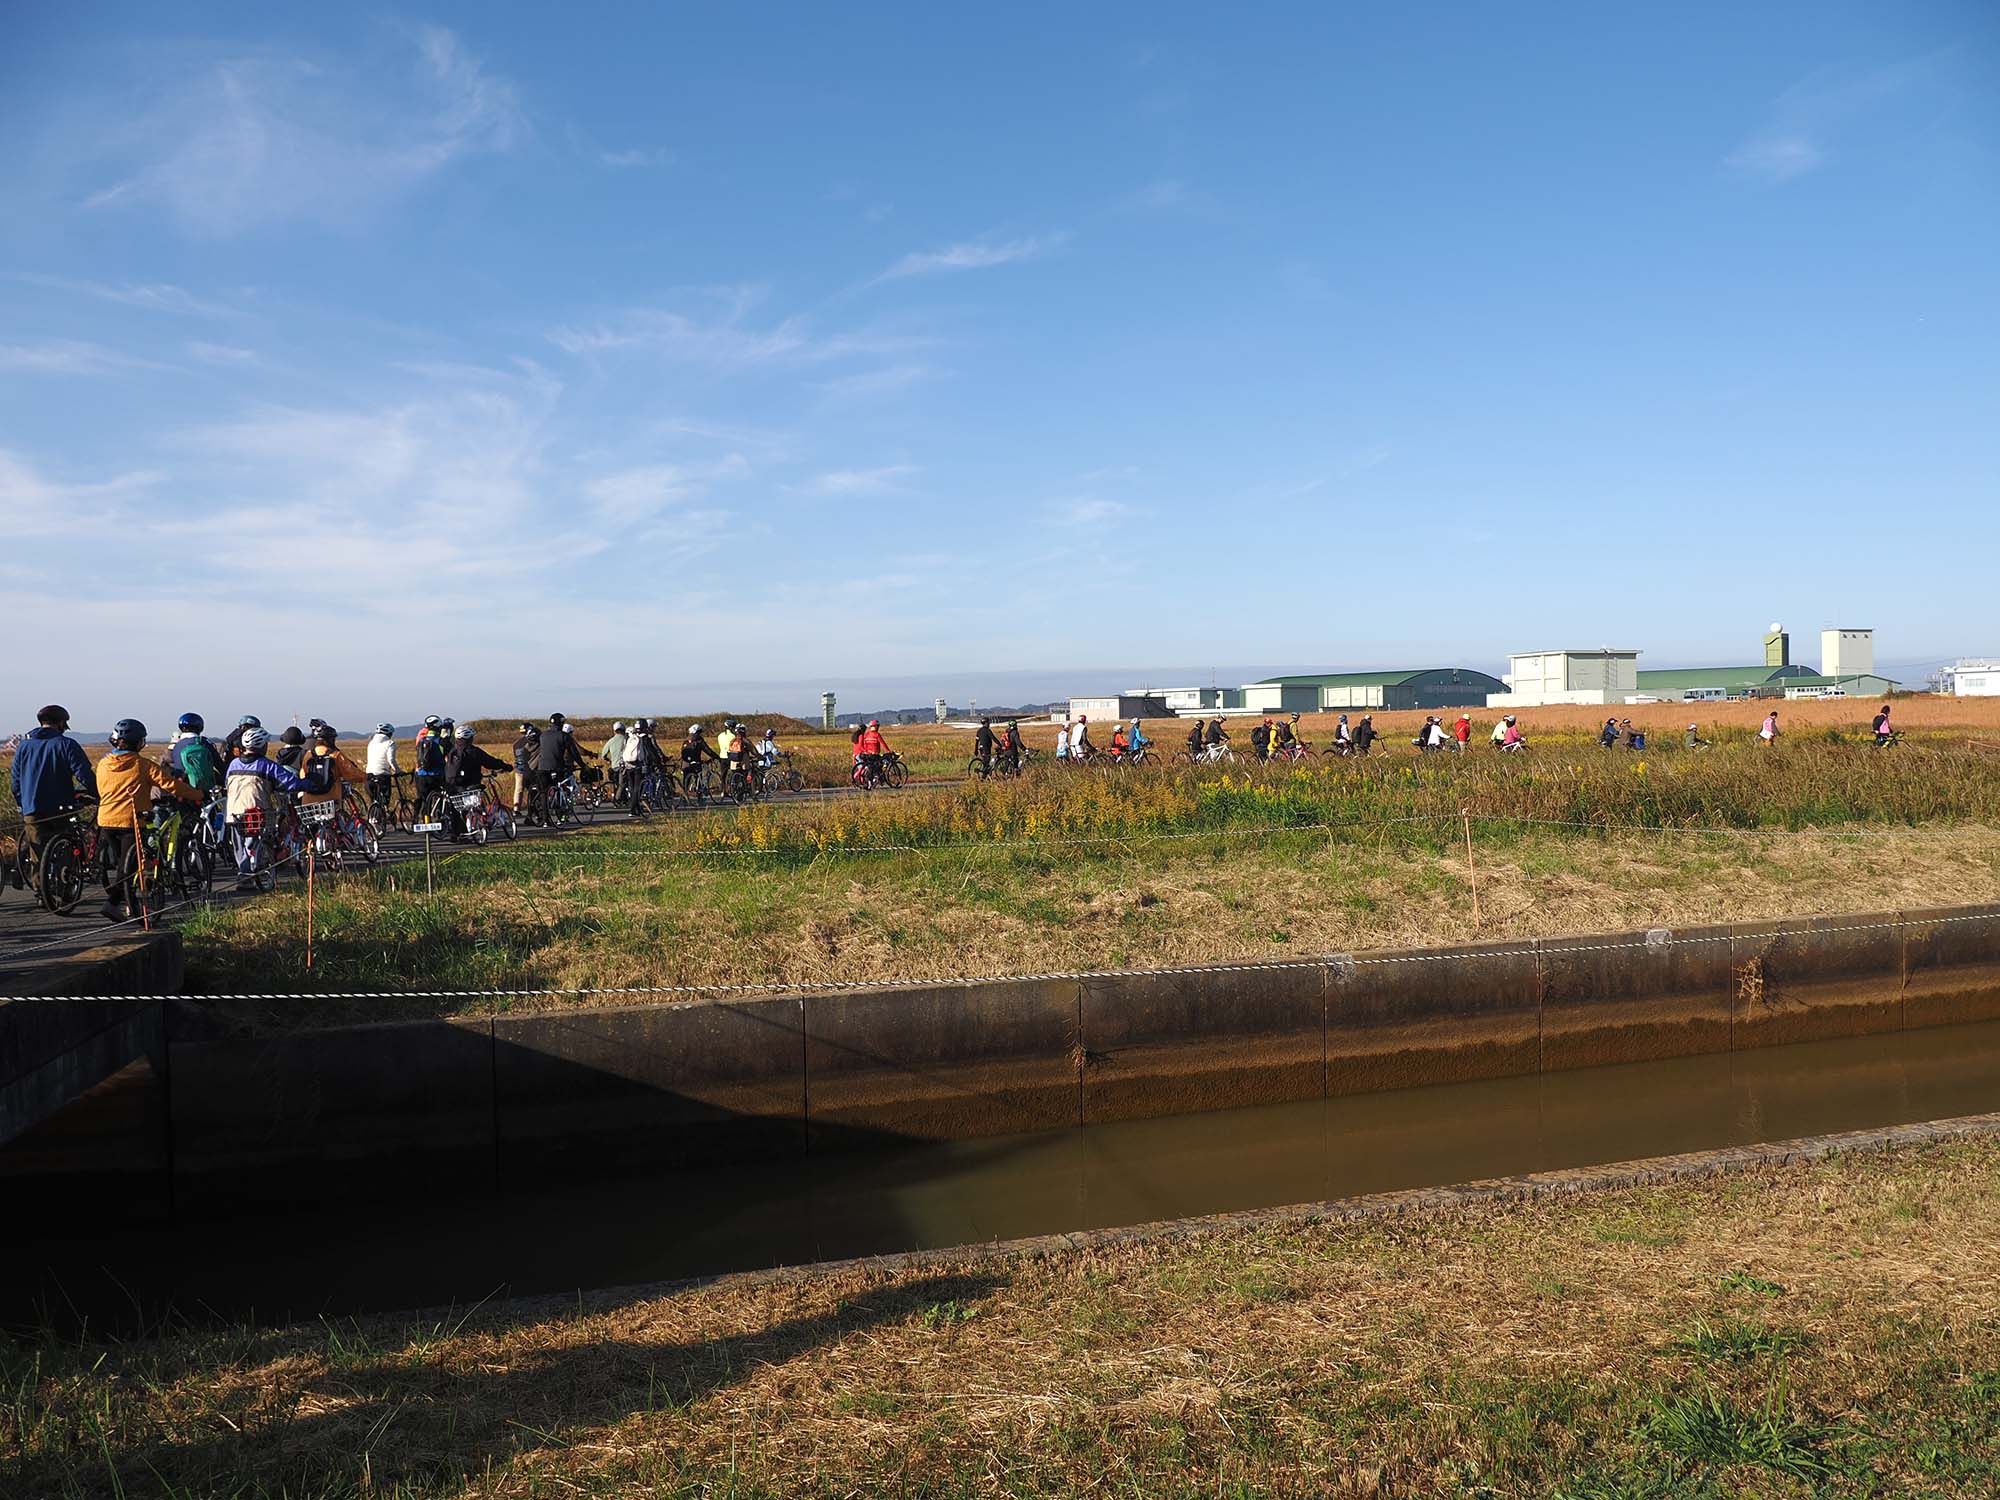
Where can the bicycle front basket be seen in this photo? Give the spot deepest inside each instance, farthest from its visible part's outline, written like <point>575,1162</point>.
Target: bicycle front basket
<point>470,801</point>
<point>312,813</point>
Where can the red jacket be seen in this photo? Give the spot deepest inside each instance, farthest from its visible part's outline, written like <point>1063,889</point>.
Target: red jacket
<point>870,743</point>
<point>1462,730</point>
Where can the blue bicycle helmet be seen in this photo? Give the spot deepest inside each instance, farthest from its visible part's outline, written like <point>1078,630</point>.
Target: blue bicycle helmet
<point>385,728</point>
<point>128,734</point>
<point>192,724</point>
<point>249,721</point>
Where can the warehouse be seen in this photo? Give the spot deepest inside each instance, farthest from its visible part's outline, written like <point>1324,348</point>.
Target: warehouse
<point>1431,687</point>
<point>1535,678</point>
<point>1974,677</point>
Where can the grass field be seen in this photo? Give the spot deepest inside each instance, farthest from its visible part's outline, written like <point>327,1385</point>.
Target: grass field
<point>1088,870</point>
<point>1828,1330</point>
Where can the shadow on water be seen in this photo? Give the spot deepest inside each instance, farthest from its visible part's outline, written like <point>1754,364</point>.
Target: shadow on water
<point>678,1208</point>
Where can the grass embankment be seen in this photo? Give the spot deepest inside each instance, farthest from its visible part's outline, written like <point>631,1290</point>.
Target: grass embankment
<point>1826,1330</point>
<point>1069,871</point>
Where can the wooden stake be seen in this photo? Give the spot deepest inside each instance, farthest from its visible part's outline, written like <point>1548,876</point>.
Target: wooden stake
<point>309,906</point>
<point>1471,870</point>
<point>139,867</point>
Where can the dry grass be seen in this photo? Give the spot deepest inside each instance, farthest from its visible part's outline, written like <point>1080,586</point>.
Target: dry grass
<point>1830,1329</point>
<point>966,914</point>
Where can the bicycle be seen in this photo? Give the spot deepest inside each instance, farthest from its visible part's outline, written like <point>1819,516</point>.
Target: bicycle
<point>481,814</point>
<point>782,775</point>
<point>186,861</point>
<point>66,863</point>
<point>567,805</point>
<point>698,784</point>
<point>398,810</point>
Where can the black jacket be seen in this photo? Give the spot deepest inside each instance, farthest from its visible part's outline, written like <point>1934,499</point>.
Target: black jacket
<point>983,742</point>
<point>524,751</point>
<point>558,752</point>
<point>466,763</point>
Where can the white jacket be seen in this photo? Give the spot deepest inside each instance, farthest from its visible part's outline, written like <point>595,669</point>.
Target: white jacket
<point>381,755</point>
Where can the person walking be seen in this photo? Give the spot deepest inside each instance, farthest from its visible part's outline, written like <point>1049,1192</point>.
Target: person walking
<point>1768,735</point>
<point>1461,734</point>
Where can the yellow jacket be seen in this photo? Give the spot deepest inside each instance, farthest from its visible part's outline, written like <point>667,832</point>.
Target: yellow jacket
<point>120,776</point>
<point>343,770</point>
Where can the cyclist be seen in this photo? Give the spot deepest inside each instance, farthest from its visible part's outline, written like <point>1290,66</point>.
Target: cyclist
<point>1195,739</point>
<point>232,744</point>
<point>250,779</point>
<point>1694,739</point>
<point>1284,735</point>
<point>325,770</point>
<point>1768,735</point>
<point>1215,739</point>
<point>767,749</point>
<point>1343,737</point>
<point>380,768</point>
<point>642,758</point>
<point>525,746</point>
<point>695,752</point>
<point>871,747</point>
<point>465,771</point>
<point>983,745</point>
<point>123,777</point>
<point>52,775</point>
<point>1364,734</point>
<point>1511,736</point>
<point>613,755</point>
<point>195,760</point>
<point>1461,734</point>
<point>1260,739</point>
<point>431,757</point>
<point>1080,747</point>
<point>1120,742</point>
<point>292,747</point>
<point>1883,732</point>
<point>554,756</point>
<point>1062,745</point>
<point>1499,736</point>
<point>1016,751</point>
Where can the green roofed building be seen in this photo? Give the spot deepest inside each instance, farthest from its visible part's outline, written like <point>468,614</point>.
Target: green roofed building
<point>1432,687</point>
<point>1715,684</point>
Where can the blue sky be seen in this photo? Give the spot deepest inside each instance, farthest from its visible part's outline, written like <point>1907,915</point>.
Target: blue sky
<point>478,358</point>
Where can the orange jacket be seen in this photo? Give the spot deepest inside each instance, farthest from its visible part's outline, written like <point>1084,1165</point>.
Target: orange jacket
<point>343,770</point>
<point>120,775</point>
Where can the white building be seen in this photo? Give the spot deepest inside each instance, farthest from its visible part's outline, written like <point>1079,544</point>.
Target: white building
<point>1974,677</point>
<point>1846,653</point>
<point>1536,678</point>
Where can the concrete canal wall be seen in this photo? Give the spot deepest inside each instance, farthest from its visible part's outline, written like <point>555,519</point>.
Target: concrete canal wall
<point>485,1104</point>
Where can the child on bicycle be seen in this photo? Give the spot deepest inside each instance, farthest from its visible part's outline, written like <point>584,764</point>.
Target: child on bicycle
<point>252,781</point>
<point>123,778</point>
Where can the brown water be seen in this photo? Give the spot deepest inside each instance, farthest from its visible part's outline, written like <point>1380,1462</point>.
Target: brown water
<point>615,1233</point>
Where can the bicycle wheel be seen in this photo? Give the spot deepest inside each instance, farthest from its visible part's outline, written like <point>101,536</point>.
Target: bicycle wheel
<point>895,773</point>
<point>509,830</point>
<point>59,877</point>
<point>585,808</point>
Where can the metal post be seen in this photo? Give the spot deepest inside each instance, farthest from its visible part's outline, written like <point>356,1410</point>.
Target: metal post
<point>139,867</point>
<point>430,887</point>
<point>1471,870</point>
<point>309,906</point>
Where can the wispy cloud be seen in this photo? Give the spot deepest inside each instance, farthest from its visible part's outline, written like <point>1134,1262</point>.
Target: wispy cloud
<point>679,336</point>
<point>867,384</point>
<point>246,141</point>
<point>637,156</point>
<point>36,505</point>
<point>1795,140</point>
<point>1776,157</point>
<point>843,482</point>
<point>69,357</point>
<point>221,354</point>
<point>1159,197</point>
<point>974,255</point>
<point>626,496</point>
<point>1090,513</point>
<point>149,296</point>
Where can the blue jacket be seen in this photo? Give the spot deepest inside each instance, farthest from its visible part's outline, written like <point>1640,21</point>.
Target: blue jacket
<point>269,769</point>
<point>48,768</point>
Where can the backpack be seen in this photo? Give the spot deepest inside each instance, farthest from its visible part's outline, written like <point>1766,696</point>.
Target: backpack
<point>430,756</point>
<point>198,766</point>
<point>318,775</point>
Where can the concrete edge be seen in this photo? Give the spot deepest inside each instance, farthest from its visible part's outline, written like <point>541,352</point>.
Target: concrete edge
<point>1725,1161</point>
